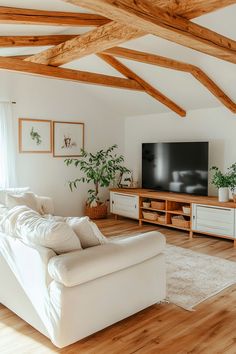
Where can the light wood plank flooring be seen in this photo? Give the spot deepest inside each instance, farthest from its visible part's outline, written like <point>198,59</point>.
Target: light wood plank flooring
<point>160,329</point>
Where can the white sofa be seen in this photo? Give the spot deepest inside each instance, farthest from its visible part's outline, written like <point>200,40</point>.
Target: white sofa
<point>70,296</point>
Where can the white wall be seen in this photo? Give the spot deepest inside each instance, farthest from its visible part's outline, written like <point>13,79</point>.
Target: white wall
<point>65,101</point>
<point>216,125</point>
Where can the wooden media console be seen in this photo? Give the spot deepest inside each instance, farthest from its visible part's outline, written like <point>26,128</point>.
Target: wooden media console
<point>193,214</point>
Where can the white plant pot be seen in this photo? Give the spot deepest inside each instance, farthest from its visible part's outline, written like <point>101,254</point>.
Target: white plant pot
<point>223,194</point>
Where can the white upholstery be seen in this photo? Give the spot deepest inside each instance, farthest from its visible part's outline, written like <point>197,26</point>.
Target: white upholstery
<point>46,204</point>
<point>32,228</point>
<point>87,231</point>
<point>71,296</point>
<point>27,199</point>
<point>80,267</point>
<point>90,307</point>
<point>4,192</point>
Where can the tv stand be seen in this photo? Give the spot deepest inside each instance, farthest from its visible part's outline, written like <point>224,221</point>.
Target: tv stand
<point>190,213</point>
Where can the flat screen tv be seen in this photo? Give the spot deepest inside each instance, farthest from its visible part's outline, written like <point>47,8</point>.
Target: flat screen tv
<point>176,167</point>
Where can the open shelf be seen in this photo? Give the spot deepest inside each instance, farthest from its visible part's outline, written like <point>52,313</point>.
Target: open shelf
<point>159,210</point>
<point>154,222</point>
<point>172,208</point>
<point>162,224</point>
<point>177,212</point>
<point>178,227</point>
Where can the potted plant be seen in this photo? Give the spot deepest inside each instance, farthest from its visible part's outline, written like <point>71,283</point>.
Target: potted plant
<point>223,182</point>
<point>232,175</point>
<point>101,169</point>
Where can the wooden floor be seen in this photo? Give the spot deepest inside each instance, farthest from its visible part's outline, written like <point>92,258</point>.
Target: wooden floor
<point>160,329</point>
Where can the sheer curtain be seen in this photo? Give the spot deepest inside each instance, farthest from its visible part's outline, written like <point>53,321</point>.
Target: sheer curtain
<point>7,147</point>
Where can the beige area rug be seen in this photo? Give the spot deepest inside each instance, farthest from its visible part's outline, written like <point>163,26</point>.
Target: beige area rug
<point>193,277</point>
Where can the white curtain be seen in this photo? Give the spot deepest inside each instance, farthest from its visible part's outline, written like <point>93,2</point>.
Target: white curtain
<point>7,147</point>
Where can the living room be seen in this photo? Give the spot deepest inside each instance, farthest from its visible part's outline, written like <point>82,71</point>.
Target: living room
<point>121,281</point>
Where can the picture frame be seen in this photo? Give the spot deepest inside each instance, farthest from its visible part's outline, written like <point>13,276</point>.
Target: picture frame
<point>68,139</point>
<point>35,135</point>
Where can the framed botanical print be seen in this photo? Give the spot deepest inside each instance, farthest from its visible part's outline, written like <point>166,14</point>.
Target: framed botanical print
<point>35,135</point>
<point>68,139</point>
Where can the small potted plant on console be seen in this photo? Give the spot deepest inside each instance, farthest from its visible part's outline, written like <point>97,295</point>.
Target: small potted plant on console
<point>224,181</point>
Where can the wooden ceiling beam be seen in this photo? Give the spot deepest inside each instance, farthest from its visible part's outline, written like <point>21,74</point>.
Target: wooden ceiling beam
<point>150,90</point>
<point>147,58</point>
<point>153,59</point>
<point>91,42</point>
<point>168,63</point>
<point>33,41</point>
<point>193,8</point>
<point>211,86</point>
<point>108,35</point>
<point>21,66</point>
<point>49,18</point>
<point>149,18</point>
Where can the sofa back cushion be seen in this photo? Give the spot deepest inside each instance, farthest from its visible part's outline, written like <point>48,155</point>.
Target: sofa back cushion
<point>5,191</point>
<point>32,228</point>
<point>28,199</point>
<point>87,232</point>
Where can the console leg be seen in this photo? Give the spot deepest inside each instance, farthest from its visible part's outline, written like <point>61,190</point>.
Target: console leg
<point>190,235</point>
<point>235,243</point>
<point>140,222</point>
<point>116,217</point>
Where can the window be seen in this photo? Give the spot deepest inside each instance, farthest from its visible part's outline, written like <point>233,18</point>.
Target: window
<point>7,147</point>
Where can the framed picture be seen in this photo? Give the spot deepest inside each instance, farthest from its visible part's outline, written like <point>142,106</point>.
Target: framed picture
<point>68,138</point>
<point>35,135</point>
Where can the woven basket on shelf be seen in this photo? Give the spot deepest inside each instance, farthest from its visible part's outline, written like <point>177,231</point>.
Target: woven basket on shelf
<point>98,212</point>
<point>150,216</point>
<point>180,222</point>
<point>186,209</point>
<point>161,219</point>
<point>158,205</point>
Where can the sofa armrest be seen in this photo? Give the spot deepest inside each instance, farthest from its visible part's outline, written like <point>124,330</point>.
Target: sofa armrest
<point>46,205</point>
<point>82,266</point>
<point>29,263</point>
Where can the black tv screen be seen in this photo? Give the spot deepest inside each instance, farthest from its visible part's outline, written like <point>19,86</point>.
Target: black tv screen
<point>176,167</point>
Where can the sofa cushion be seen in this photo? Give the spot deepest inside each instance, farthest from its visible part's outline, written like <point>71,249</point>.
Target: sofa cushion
<point>28,199</point>
<point>32,228</point>
<point>80,267</point>
<point>87,231</point>
<point>3,209</point>
<point>5,191</point>
<point>46,205</point>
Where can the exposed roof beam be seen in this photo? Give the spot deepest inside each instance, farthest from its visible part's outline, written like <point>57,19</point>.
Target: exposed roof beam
<point>33,41</point>
<point>147,58</point>
<point>168,63</point>
<point>51,18</point>
<point>164,62</point>
<point>91,42</point>
<point>206,81</point>
<point>158,60</point>
<point>149,18</point>
<point>193,8</point>
<point>150,90</point>
<point>112,34</point>
<point>17,65</point>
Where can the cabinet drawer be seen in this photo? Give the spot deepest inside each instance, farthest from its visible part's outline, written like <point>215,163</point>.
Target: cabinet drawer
<point>125,205</point>
<point>215,220</point>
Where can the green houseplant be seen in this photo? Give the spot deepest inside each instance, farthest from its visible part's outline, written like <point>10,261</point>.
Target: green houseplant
<point>232,174</point>
<point>224,181</point>
<point>100,169</point>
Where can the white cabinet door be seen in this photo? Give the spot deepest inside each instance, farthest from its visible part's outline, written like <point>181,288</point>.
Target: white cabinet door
<point>213,220</point>
<point>124,204</point>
